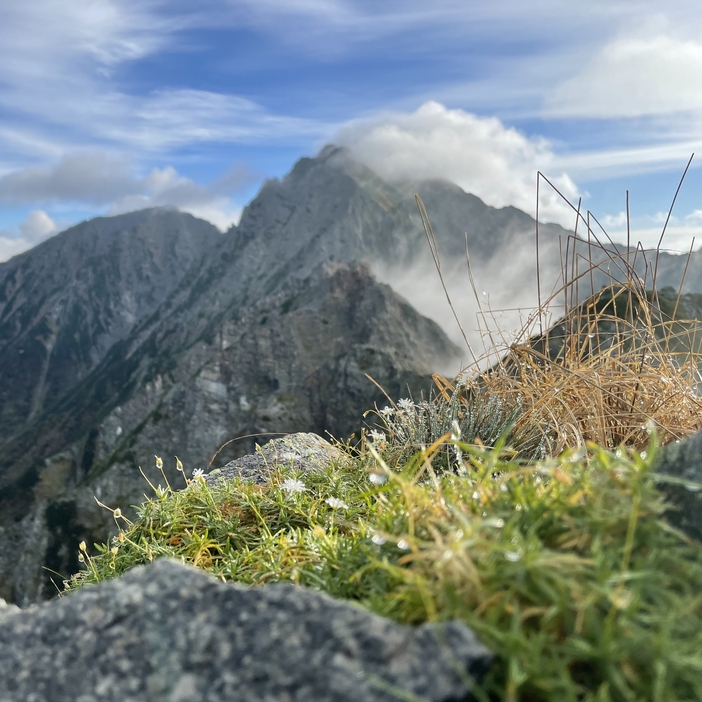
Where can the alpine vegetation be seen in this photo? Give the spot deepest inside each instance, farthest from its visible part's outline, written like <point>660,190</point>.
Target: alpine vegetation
<point>565,568</point>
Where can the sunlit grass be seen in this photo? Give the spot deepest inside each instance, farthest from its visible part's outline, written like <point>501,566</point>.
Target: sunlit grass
<point>565,568</point>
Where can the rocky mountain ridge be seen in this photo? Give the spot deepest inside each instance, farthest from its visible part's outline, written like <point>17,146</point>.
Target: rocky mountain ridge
<point>271,332</point>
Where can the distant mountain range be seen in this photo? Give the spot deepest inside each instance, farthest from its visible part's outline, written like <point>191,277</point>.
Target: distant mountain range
<point>152,333</point>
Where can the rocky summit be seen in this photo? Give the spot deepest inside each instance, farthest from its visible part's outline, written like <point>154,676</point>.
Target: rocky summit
<point>166,632</point>
<point>153,334</point>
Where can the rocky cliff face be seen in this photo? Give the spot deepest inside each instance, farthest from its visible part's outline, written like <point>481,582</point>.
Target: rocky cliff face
<point>185,341</point>
<point>64,304</point>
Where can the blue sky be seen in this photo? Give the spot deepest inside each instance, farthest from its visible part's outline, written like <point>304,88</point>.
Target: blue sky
<point>112,105</point>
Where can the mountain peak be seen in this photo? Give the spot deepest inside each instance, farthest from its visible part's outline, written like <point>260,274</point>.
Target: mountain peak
<point>331,150</point>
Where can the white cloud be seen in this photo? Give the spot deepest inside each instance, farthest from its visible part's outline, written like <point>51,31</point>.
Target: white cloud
<point>97,178</point>
<point>614,223</point>
<point>694,218</point>
<point>165,187</point>
<point>647,229</point>
<point>94,179</point>
<point>633,77</point>
<point>221,212</point>
<point>37,227</point>
<point>494,162</point>
<point>11,246</point>
<point>677,239</point>
<point>87,176</point>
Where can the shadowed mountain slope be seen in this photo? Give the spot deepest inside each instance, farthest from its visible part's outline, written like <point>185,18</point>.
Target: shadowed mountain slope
<point>65,303</point>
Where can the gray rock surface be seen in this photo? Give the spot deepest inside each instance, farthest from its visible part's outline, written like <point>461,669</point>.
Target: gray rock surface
<point>304,451</point>
<point>168,632</point>
<point>682,461</point>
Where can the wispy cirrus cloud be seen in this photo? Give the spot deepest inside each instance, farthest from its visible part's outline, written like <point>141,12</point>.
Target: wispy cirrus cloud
<point>61,74</point>
<point>170,118</point>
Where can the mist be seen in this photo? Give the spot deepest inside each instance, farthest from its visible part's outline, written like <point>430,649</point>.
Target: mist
<point>507,297</point>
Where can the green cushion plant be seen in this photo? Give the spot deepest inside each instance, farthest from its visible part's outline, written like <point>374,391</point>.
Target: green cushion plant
<point>565,568</point>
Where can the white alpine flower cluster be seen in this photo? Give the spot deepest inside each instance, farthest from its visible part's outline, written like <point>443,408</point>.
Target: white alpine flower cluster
<point>292,486</point>
<point>377,437</point>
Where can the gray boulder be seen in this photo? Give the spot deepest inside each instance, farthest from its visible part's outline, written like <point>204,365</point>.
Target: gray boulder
<point>171,632</point>
<point>303,450</point>
<point>682,461</point>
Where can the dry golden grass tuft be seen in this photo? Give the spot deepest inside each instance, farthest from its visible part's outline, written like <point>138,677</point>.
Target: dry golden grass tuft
<point>605,375</point>
<point>617,365</point>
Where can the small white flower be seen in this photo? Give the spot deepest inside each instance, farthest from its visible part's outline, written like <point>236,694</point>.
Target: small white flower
<point>377,436</point>
<point>405,404</point>
<point>336,503</point>
<point>455,431</point>
<point>198,472</point>
<point>377,478</point>
<point>291,486</point>
<point>387,411</point>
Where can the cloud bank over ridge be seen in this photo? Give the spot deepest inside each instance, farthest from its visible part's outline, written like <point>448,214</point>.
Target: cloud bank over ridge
<point>481,155</point>
<point>97,179</point>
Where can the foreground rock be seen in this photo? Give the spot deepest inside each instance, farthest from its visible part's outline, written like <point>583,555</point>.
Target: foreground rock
<point>682,461</point>
<point>170,632</point>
